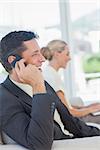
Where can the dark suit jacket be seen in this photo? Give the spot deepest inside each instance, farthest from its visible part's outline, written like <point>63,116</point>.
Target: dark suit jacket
<point>29,121</point>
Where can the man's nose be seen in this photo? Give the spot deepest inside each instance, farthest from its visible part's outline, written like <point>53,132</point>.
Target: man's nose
<point>42,58</point>
<point>69,57</point>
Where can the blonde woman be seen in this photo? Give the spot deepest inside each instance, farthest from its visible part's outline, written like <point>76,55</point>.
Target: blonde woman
<point>58,55</point>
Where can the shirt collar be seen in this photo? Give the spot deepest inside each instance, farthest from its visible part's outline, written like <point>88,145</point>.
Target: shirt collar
<point>25,87</point>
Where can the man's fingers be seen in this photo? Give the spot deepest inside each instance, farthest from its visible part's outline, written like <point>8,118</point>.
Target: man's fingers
<point>20,64</point>
<point>19,67</point>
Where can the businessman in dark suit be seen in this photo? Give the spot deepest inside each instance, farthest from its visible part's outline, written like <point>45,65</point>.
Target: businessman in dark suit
<point>27,102</point>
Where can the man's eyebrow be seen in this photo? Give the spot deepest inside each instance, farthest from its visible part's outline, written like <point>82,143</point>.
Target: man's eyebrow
<point>36,51</point>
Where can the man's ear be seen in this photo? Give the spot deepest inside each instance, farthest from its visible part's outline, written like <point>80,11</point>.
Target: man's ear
<point>11,59</point>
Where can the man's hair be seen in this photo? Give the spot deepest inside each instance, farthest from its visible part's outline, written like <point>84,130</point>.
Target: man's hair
<point>12,44</point>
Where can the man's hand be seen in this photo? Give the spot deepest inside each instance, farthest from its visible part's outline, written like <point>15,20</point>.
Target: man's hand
<point>31,75</point>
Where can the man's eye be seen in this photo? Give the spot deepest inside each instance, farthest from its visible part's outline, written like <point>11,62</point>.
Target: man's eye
<point>34,55</point>
<point>67,54</point>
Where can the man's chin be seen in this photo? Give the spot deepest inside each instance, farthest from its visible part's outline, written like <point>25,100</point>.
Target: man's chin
<point>64,67</point>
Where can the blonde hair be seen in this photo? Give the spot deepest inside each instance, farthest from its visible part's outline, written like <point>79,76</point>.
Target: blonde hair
<point>54,45</point>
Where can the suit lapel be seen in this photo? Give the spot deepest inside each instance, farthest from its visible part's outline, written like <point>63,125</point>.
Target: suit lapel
<point>20,94</point>
<point>16,91</point>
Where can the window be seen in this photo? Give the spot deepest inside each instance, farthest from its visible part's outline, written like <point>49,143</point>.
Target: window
<point>85,20</point>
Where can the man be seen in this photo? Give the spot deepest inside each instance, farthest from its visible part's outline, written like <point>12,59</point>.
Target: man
<point>28,102</point>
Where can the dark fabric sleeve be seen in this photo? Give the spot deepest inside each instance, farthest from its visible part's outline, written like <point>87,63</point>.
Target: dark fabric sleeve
<point>35,131</point>
<point>75,125</point>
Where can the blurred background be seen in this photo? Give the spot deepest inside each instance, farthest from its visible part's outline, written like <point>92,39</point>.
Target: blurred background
<point>75,21</point>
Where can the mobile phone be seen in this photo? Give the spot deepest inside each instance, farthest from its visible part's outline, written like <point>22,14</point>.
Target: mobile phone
<point>15,60</point>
